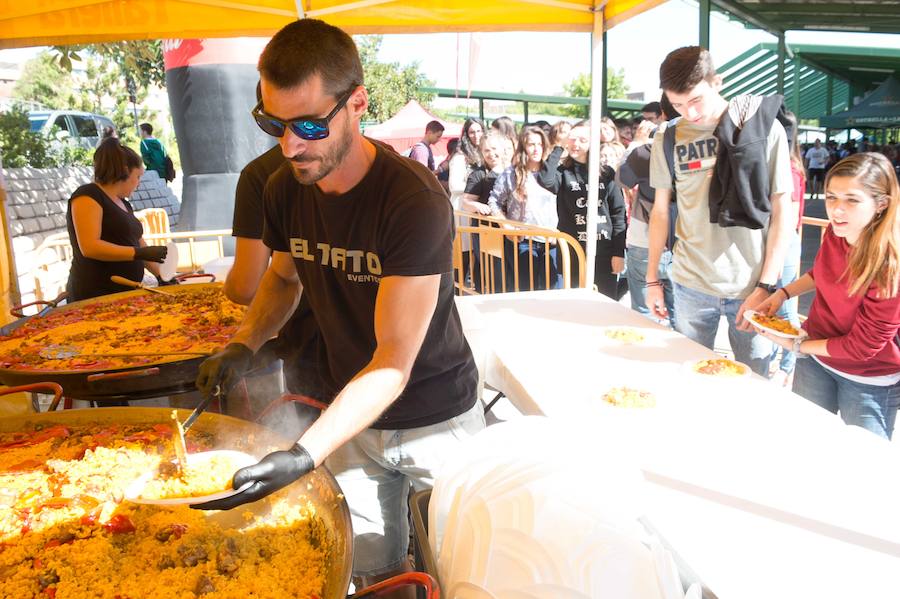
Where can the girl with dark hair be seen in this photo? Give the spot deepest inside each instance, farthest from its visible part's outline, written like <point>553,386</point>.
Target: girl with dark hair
<point>851,333</point>
<point>106,237</point>
<point>569,183</point>
<point>517,195</point>
<point>466,158</point>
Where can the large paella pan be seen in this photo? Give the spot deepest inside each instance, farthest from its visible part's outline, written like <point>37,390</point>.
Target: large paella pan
<point>66,532</point>
<point>118,341</point>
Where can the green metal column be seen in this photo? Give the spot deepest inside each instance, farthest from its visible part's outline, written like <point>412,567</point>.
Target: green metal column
<point>829,94</point>
<point>781,53</point>
<point>481,109</point>
<point>604,94</point>
<point>525,116</point>
<point>795,96</point>
<point>704,23</point>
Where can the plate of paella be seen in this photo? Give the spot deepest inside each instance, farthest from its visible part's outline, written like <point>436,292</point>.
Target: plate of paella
<point>773,324</point>
<point>205,476</point>
<point>721,368</point>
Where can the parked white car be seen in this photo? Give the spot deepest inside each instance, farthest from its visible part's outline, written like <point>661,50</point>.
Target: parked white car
<point>83,128</point>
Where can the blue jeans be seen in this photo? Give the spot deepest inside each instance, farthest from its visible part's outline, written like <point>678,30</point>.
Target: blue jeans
<point>871,407</point>
<point>697,317</point>
<point>636,259</point>
<point>788,309</point>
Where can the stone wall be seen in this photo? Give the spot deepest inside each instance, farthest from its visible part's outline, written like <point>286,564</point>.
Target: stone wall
<point>36,209</point>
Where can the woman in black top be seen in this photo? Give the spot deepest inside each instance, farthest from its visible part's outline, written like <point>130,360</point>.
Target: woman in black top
<point>105,235</point>
<point>568,181</point>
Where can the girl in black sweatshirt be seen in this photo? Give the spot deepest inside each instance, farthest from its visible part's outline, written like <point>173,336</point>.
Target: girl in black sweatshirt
<point>568,182</point>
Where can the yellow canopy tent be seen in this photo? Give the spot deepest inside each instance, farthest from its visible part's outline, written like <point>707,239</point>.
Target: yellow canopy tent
<point>61,22</point>
<point>65,22</point>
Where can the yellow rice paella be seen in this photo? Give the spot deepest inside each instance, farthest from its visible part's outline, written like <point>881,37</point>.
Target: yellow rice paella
<point>65,531</point>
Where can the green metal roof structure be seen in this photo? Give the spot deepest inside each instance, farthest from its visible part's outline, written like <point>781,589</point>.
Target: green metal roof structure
<point>865,16</point>
<point>827,77</point>
<point>615,108</point>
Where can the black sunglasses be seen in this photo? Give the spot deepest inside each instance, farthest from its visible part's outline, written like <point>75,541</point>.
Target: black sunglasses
<point>308,129</point>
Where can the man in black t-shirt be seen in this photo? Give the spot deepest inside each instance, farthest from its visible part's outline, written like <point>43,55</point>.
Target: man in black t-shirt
<point>297,343</point>
<point>366,234</point>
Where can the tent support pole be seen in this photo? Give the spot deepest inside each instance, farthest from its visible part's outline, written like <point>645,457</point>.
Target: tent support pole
<point>704,23</point>
<point>829,95</point>
<point>780,73</point>
<point>598,76</point>
<point>604,94</point>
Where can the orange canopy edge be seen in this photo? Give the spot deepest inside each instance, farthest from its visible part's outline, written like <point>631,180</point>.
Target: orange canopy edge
<point>66,22</point>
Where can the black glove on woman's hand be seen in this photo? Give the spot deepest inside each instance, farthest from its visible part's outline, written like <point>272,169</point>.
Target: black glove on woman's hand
<point>162,283</point>
<point>224,369</point>
<point>151,253</point>
<point>273,472</point>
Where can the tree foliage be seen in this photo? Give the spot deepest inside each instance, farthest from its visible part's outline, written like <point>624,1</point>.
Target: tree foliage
<point>44,82</point>
<point>580,87</point>
<point>390,84</point>
<point>139,60</point>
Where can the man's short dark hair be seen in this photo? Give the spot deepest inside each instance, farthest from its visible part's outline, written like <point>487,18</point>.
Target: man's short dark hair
<point>652,107</point>
<point>147,128</point>
<point>310,47</point>
<point>684,68</point>
<point>433,127</point>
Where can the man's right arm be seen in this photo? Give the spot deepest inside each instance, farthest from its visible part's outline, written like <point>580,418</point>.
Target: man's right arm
<point>275,301</point>
<point>658,225</point>
<point>251,257</point>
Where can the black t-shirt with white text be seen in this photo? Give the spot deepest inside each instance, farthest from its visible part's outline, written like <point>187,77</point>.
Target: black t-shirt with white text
<point>397,221</point>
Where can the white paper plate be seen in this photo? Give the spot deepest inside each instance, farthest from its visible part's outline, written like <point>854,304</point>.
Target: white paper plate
<point>241,460</point>
<point>689,367</point>
<point>168,268</point>
<point>748,316</point>
<point>642,335</point>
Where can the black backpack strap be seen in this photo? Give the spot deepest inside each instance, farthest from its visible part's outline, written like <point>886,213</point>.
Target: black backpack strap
<point>669,151</point>
<point>669,148</point>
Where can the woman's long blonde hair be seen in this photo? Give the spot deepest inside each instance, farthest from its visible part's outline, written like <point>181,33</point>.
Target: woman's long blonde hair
<point>520,160</point>
<point>875,257</point>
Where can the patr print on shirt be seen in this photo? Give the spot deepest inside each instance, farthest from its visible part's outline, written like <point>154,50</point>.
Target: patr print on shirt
<point>697,156</point>
<point>361,266</point>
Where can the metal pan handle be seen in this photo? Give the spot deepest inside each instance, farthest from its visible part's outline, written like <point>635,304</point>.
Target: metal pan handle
<point>47,387</point>
<point>197,275</point>
<point>417,579</point>
<point>287,398</point>
<point>128,374</point>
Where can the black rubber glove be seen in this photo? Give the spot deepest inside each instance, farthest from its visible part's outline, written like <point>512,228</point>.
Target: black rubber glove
<point>224,369</point>
<point>151,253</point>
<point>162,283</point>
<point>273,472</point>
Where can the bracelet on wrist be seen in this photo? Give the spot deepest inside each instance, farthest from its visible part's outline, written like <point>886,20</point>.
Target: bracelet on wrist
<point>652,284</point>
<point>787,294</point>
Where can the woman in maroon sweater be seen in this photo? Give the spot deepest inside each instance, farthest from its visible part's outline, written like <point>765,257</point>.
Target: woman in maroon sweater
<point>852,344</point>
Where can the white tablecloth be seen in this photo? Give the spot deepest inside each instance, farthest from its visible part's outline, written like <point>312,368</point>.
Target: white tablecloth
<point>762,492</point>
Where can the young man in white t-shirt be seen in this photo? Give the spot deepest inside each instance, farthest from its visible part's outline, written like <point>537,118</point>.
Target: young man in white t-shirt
<point>816,161</point>
<point>716,270</point>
